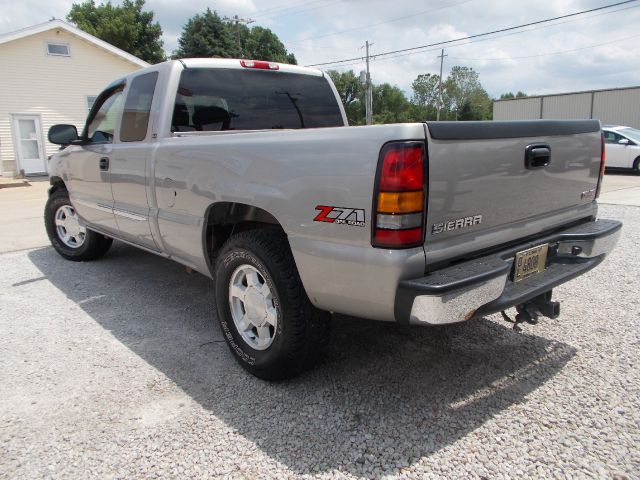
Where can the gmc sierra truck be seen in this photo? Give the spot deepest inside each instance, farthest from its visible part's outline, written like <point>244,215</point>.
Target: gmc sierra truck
<point>247,172</point>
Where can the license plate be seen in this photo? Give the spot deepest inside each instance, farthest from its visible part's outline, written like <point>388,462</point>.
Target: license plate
<point>531,261</point>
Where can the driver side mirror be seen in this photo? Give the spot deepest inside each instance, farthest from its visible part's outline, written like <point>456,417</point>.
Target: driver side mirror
<point>63,134</point>
<point>623,141</point>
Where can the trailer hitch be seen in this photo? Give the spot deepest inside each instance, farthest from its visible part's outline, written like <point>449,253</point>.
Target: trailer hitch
<point>529,311</point>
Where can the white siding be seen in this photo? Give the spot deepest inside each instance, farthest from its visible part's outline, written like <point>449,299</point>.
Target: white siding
<point>55,87</point>
<point>618,107</point>
<point>517,109</point>
<point>574,106</point>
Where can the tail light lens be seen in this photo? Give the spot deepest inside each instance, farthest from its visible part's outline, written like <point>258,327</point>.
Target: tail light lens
<point>602,164</point>
<point>399,197</point>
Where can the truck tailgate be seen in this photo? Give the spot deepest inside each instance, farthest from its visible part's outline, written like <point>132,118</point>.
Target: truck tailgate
<point>485,190</point>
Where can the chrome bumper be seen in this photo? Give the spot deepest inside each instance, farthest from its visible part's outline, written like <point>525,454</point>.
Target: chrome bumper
<point>483,286</point>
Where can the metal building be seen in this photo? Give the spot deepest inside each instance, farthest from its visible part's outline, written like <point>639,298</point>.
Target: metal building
<point>616,106</point>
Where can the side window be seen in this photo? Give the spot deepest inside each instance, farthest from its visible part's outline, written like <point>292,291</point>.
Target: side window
<point>610,137</point>
<point>620,137</point>
<point>102,125</point>
<point>137,108</point>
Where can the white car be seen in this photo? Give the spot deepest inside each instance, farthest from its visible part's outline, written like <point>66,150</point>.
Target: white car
<point>622,147</point>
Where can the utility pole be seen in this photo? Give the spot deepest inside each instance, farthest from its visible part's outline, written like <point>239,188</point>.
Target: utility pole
<point>441,57</point>
<point>237,20</point>
<point>369,93</point>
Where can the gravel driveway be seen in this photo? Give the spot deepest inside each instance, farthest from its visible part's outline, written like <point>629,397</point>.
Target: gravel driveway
<point>117,369</point>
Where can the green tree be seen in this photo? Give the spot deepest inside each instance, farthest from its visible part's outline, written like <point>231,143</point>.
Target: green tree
<point>466,112</point>
<point>520,94</point>
<point>425,94</point>
<point>390,105</point>
<point>463,86</point>
<point>262,44</point>
<point>127,27</point>
<point>351,93</point>
<point>208,35</point>
<point>460,84</point>
<point>481,105</point>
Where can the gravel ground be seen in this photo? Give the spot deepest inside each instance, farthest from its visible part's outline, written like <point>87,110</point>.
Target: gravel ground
<point>117,369</point>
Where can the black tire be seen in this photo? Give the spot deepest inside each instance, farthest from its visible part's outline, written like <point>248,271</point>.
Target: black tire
<point>302,331</point>
<point>94,246</point>
<point>636,166</point>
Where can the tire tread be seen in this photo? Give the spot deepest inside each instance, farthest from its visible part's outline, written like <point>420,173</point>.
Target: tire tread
<point>310,327</point>
<point>96,244</point>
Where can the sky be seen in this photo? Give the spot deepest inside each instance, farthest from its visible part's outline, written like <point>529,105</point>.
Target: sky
<point>592,51</point>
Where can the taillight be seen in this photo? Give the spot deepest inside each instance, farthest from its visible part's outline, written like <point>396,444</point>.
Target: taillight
<point>259,64</point>
<point>602,163</point>
<point>399,197</point>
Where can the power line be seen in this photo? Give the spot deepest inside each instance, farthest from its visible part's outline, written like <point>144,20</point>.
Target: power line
<point>540,27</point>
<point>551,53</point>
<point>282,7</point>
<point>295,10</point>
<point>397,19</point>
<point>469,37</point>
<point>500,36</point>
<point>515,58</point>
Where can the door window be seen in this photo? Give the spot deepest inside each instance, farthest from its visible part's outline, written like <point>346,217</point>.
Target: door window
<point>28,138</point>
<point>102,121</point>
<point>137,108</point>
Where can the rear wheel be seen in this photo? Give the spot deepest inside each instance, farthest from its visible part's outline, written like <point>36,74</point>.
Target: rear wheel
<point>636,166</point>
<point>70,239</point>
<point>270,325</point>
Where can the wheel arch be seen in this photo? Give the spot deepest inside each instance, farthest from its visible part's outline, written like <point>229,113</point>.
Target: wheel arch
<point>56,184</point>
<point>222,219</point>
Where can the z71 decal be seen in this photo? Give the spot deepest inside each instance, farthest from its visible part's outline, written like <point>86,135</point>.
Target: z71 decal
<point>340,215</point>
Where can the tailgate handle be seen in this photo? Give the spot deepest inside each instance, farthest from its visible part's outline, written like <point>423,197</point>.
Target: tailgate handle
<point>537,156</point>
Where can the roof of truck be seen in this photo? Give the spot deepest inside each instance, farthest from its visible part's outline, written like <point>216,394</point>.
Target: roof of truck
<point>235,63</point>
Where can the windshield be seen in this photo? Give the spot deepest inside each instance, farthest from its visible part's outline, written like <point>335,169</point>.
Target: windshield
<point>632,133</point>
<point>211,99</point>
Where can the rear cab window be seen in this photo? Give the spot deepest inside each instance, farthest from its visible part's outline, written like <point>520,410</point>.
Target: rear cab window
<point>217,99</point>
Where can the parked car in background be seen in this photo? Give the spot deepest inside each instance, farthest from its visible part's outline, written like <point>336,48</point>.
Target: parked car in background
<point>622,146</point>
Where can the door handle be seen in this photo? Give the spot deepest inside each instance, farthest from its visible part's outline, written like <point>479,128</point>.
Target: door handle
<point>104,163</point>
<point>537,156</point>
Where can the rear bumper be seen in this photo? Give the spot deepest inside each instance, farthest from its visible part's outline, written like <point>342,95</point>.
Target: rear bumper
<point>484,285</point>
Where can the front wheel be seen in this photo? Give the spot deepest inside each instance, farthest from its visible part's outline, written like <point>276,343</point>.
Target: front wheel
<point>636,166</point>
<point>267,320</point>
<point>70,239</point>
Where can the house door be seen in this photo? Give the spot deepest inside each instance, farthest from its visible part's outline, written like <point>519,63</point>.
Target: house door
<point>29,148</point>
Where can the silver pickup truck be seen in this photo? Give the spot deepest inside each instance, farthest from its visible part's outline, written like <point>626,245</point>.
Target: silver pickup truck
<point>247,172</point>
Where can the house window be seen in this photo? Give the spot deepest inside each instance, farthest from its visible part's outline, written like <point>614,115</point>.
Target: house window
<point>59,49</point>
<point>91,99</point>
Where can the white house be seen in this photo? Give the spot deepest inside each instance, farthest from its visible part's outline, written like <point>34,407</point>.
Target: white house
<point>51,73</point>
